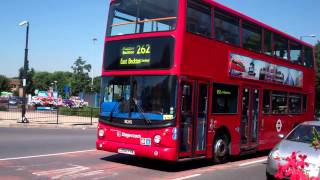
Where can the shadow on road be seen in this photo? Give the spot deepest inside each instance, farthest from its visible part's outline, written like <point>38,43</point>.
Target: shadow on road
<point>167,166</point>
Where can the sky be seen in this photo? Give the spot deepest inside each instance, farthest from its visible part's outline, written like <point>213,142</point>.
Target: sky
<point>62,30</point>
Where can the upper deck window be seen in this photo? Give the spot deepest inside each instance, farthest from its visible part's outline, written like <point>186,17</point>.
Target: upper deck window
<point>308,56</point>
<point>226,27</point>
<point>267,42</point>
<point>199,19</point>
<point>280,47</point>
<point>142,53</point>
<point>296,53</point>
<point>251,36</point>
<point>139,16</point>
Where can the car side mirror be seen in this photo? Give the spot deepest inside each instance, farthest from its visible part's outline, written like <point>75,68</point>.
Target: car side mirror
<point>281,136</point>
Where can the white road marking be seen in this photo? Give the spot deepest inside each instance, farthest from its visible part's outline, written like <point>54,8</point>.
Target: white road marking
<point>77,171</point>
<point>85,174</point>
<point>58,173</point>
<point>46,155</point>
<point>253,162</point>
<point>187,177</point>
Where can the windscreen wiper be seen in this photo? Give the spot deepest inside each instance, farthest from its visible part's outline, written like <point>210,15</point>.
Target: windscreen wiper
<point>148,121</point>
<point>113,109</point>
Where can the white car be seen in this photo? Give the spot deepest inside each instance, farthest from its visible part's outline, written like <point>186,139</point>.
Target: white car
<point>299,141</point>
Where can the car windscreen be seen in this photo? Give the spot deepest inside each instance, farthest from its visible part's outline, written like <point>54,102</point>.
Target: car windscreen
<point>303,133</point>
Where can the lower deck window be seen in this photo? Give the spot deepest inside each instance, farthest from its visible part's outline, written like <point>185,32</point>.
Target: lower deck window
<point>266,102</point>
<point>279,102</point>
<point>295,103</point>
<point>283,102</point>
<point>224,99</point>
<point>304,105</point>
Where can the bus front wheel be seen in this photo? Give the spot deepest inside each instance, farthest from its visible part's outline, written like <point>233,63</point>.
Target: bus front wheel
<point>221,148</point>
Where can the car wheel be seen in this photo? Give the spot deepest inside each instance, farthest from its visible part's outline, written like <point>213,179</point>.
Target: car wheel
<point>269,176</point>
<point>221,148</point>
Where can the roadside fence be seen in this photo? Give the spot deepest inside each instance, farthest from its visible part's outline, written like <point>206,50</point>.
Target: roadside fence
<point>50,115</point>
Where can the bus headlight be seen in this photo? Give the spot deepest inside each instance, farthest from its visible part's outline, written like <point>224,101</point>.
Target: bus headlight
<point>101,132</point>
<point>157,139</point>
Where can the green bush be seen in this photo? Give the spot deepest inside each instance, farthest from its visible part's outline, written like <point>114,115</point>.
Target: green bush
<point>3,108</point>
<point>84,112</point>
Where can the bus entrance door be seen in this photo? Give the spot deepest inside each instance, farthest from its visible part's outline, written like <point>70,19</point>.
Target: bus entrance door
<point>249,118</point>
<point>193,119</point>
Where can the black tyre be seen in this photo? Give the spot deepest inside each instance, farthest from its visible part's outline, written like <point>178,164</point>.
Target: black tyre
<point>269,176</point>
<point>221,148</point>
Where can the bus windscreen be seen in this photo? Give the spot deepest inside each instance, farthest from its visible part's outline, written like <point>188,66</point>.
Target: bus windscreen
<point>149,98</point>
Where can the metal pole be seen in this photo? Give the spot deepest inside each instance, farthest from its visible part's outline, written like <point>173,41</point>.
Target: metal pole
<point>94,40</point>
<point>311,36</point>
<point>24,78</point>
<point>55,86</point>
<point>57,115</point>
<point>91,115</point>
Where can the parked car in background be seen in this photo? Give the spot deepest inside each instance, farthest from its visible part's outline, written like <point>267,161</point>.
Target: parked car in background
<point>14,100</point>
<point>298,140</point>
<point>3,100</point>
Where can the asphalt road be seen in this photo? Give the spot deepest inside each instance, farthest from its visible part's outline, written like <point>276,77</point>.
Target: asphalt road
<point>32,154</point>
<point>18,142</point>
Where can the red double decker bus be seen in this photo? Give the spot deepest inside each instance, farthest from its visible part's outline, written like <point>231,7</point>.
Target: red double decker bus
<point>185,79</point>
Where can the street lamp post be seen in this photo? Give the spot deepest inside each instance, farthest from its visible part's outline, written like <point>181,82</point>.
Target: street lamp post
<point>51,88</point>
<point>55,86</point>
<point>24,74</point>
<point>311,35</point>
<point>94,40</point>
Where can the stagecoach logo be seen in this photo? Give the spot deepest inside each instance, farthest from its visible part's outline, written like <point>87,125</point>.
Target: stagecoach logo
<point>126,135</point>
<point>127,121</point>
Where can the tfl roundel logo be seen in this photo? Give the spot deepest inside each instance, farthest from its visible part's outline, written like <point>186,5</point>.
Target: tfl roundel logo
<point>279,125</point>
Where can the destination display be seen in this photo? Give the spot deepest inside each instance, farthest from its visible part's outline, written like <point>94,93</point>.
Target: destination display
<point>249,68</point>
<point>136,54</point>
<point>142,53</point>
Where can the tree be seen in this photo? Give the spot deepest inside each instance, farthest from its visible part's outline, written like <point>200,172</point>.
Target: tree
<point>29,85</point>
<point>80,81</point>
<point>63,79</point>
<point>4,83</point>
<point>96,84</point>
<point>42,80</point>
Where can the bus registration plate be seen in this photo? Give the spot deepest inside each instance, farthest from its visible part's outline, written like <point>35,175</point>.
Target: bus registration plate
<point>126,151</point>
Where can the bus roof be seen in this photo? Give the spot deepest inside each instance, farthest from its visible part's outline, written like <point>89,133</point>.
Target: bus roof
<point>263,25</point>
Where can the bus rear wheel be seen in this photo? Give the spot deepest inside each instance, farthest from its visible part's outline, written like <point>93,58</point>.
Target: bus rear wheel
<point>221,148</point>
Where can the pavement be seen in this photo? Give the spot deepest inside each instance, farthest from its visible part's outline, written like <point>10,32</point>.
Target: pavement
<point>46,120</point>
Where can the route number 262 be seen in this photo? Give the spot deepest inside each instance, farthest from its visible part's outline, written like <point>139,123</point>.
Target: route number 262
<point>143,49</point>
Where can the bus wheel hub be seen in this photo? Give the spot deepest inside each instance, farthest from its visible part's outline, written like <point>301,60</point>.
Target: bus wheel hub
<point>220,148</point>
